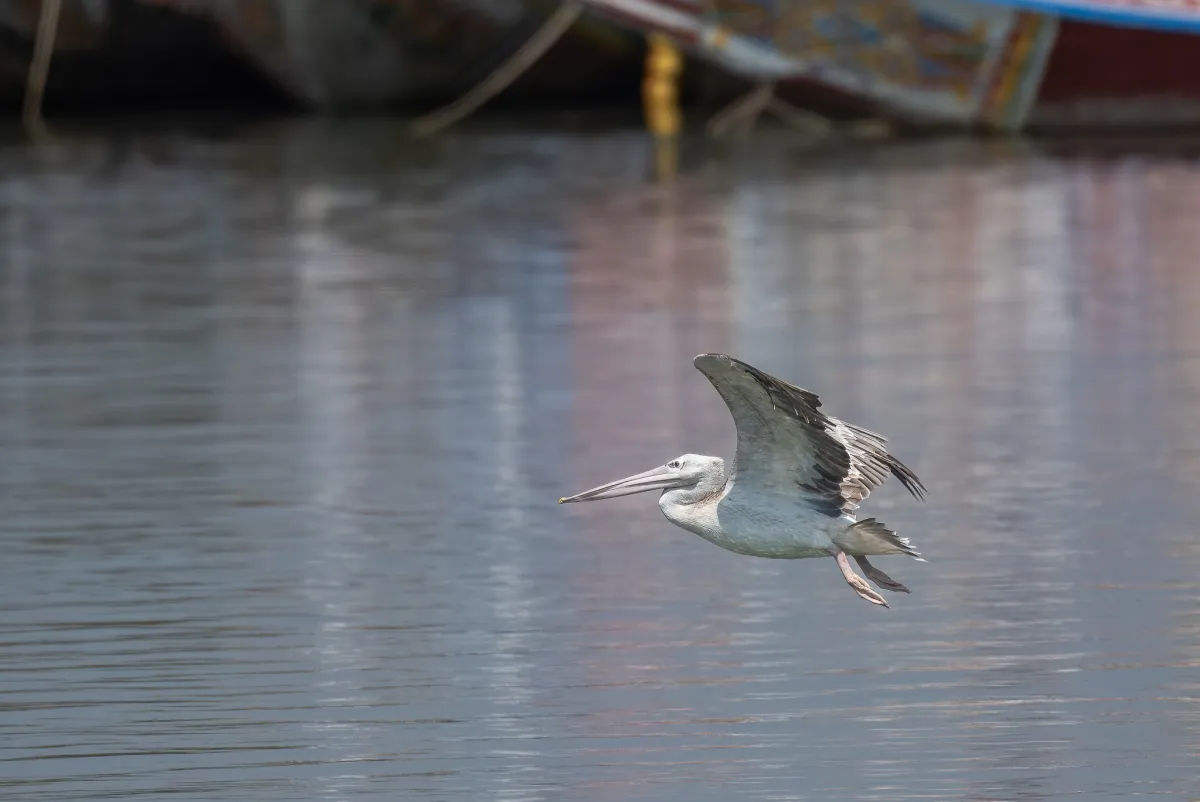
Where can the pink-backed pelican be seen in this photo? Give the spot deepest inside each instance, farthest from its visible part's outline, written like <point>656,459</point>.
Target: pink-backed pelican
<point>797,479</point>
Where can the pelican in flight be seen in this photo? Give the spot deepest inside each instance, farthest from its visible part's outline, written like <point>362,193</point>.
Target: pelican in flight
<point>793,491</point>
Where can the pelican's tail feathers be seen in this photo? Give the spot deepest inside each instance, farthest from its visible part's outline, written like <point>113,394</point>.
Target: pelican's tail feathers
<point>870,536</point>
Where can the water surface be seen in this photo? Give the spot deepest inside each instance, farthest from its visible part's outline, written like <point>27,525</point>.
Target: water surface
<point>284,414</point>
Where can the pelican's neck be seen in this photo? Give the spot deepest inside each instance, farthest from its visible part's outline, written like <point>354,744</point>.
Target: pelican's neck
<point>695,508</point>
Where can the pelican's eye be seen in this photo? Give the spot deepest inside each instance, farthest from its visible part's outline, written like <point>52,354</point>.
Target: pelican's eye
<point>673,464</point>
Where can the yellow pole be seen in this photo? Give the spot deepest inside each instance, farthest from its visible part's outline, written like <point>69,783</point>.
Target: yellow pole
<point>660,99</point>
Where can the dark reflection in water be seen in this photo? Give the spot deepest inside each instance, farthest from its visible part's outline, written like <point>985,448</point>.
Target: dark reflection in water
<point>283,419</point>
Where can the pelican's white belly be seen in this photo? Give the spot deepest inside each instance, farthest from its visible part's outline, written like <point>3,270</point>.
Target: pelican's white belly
<point>787,530</point>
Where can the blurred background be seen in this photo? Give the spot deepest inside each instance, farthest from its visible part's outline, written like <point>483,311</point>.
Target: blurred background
<point>309,312</point>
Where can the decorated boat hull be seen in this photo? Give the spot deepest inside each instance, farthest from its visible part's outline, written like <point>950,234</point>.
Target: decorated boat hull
<point>999,64</point>
<point>924,61</point>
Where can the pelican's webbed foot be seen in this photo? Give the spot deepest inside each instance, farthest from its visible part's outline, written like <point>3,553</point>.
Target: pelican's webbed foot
<point>879,577</point>
<point>856,582</point>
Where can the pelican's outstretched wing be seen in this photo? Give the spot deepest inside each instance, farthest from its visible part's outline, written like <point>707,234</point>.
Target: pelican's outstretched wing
<point>784,441</point>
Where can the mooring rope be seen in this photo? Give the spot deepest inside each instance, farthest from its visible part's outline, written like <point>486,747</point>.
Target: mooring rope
<point>541,41</point>
<point>39,67</point>
<point>745,111</point>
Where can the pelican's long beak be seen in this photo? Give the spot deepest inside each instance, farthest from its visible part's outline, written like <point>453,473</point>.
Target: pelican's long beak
<point>659,478</point>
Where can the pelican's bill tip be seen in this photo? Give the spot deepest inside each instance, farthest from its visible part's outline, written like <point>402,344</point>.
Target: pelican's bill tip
<point>562,500</point>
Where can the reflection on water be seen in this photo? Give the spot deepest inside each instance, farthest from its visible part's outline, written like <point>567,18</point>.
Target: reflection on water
<point>284,417</point>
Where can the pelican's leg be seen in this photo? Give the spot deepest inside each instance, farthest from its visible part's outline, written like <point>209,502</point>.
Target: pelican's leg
<point>857,582</point>
<point>879,577</point>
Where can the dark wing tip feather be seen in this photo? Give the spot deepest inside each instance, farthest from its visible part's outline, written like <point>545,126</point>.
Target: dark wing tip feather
<point>907,478</point>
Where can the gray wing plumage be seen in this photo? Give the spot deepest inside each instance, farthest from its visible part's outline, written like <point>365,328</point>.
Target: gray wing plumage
<point>785,443</point>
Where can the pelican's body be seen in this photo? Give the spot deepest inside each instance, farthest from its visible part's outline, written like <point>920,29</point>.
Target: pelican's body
<point>782,531</point>
<point>797,479</point>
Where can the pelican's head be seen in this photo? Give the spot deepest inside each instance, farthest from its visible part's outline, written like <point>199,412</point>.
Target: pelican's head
<point>688,471</point>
